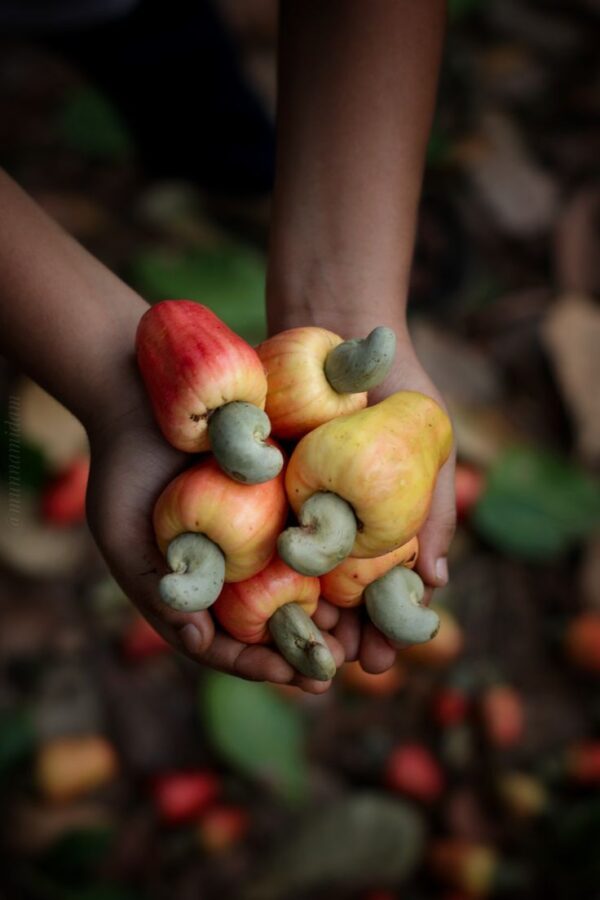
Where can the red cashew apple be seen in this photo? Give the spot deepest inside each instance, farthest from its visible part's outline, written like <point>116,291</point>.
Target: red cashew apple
<point>502,716</point>
<point>449,706</point>
<point>314,376</point>
<point>222,826</point>
<point>63,498</point>
<point>392,593</point>
<point>277,605</point>
<point>214,530</point>
<point>469,484</point>
<point>582,763</point>
<point>413,770</point>
<point>208,388</point>
<point>582,641</point>
<point>182,796</point>
<point>361,484</point>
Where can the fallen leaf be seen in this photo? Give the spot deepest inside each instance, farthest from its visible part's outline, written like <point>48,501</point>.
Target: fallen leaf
<point>520,195</point>
<point>536,505</point>
<point>571,335</point>
<point>359,840</point>
<point>577,243</point>
<point>465,374</point>
<point>257,732</point>
<point>45,422</point>
<point>35,549</point>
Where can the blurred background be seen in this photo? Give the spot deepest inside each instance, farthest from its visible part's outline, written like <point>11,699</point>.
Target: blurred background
<point>472,768</point>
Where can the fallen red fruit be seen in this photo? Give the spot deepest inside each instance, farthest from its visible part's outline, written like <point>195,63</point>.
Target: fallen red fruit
<point>503,716</point>
<point>412,770</point>
<point>183,796</point>
<point>449,707</point>
<point>63,498</point>
<point>141,641</point>
<point>582,641</point>
<point>223,826</point>
<point>583,763</point>
<point>469,483</point>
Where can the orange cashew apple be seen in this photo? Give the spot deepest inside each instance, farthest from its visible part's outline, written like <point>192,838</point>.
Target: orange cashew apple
<point>314,376</point>
<point>212,529</point>
<point>208,388</point>
<point>361,484</point>
<point>392,593</point>
<point>277,605</point>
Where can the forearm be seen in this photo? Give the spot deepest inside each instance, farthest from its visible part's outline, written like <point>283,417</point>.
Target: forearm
<point>65,319</point>
<point>357,91</point>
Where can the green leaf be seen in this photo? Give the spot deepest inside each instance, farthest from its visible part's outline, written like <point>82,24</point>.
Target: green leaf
<point>256,732</point>
<point>89,125</point>
<point>17,739</point>
<point>229,279</point>
<point>536,505</point>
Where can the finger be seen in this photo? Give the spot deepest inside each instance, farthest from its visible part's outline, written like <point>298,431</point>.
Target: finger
<point>376,653</point>
<point>347,632</point>
<point>436,534</point>
<point>326,616</point>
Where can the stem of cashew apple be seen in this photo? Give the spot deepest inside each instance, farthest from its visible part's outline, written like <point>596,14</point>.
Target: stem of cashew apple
<point>324,538</point>
<point>301,643</point>
<point>238,432</point>
<point>198,573</point>
<point>361,364</point>
<point>395,606</point>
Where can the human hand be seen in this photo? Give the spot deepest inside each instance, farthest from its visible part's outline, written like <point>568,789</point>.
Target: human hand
<point>131,464</point>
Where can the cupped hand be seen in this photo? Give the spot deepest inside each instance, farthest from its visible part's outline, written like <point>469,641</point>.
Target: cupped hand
<point>131,464</point>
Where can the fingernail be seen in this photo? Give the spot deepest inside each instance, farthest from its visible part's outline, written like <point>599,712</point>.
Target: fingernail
<point>191,639</point>
<point>441,570</point>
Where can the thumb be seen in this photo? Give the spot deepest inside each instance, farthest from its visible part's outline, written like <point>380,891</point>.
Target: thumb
<point>436,534</point>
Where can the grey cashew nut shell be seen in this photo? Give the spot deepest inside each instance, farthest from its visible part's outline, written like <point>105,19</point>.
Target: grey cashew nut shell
<point>323,539</point>
<point>301,643</point>
<point>238,432</point>
<point>395,606</point>
<point>361,364</point>
<point>198,573</point>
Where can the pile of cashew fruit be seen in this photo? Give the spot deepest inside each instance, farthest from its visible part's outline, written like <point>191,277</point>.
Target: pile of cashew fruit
<point>259,533</point>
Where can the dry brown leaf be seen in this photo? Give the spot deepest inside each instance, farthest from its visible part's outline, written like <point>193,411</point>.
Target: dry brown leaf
<point>520,195</point>
<point>482,433</point>
<point>35,549</point>
<point>577,242</point>
<point>571,335</point>
<point>44,421</point>
<point>463,373</point>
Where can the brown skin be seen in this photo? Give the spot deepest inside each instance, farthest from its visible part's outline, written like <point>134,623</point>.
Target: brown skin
<point>357,93</point>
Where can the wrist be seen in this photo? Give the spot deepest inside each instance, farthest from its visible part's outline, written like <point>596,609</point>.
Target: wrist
<point>113,390</point>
